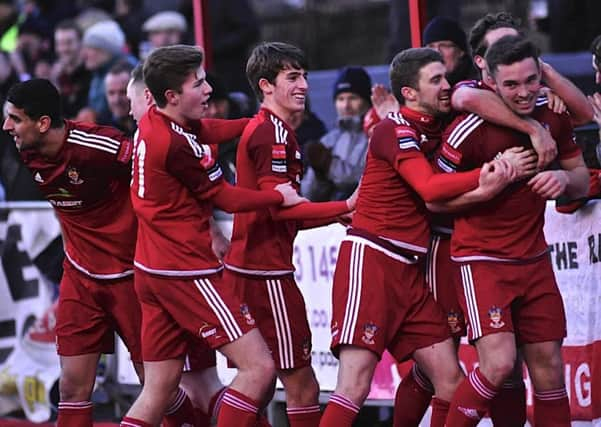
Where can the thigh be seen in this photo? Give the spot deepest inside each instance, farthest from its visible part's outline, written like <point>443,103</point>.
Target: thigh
<point>82,324</point>
<point>443,277</point>
<point>279,309</point>
<point>541,314</point>
<point>486,295</point>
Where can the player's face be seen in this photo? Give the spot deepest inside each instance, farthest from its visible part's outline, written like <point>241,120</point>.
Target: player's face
<point>349,104</point>
<point>518,85</point>
<point>23,129</point>
<point>433,93</point>
<point>290,90</point>
<point>194,95</point>
<point>138,100</point>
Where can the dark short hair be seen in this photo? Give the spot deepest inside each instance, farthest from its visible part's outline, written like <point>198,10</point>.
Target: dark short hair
<point>137,74</point>
<point>121,67</point>
<point>167,68</point>
<point>268,59</point>
<point>596,50</point>
<point>509,50</point>
<point>37,98</point>
<point>405,68</point>
<point>69,24</point>
<point>489,22</point>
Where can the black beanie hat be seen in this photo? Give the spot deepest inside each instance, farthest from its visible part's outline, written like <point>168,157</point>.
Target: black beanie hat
<point>441,28</point>
<point>355,80</point>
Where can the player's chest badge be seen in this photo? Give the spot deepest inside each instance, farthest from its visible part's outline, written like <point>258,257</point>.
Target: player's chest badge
<point>73,175</point>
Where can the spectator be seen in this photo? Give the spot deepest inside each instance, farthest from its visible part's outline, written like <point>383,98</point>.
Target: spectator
<point>446,36</point>
<point>234,29</point>
<point>164,29</point>
<point>103,45</point>
<point>33,45</point>
<point>8,75</point>
<point>115,86</point>
<point>69,73</point>
<point>337,161</point>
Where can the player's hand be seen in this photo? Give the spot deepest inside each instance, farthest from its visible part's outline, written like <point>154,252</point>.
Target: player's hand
<point>544,145</point>
<point>555,103</point>
<point>595,101</point>
<point>220,245</point>
<point>495,176</point>
<point>383,101</point>
<point>522,160</point>
<point>351,202</point>
<point>290,195</point>
<point>549,184</point>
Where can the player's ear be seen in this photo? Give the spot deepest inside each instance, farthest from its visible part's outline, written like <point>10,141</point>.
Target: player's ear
<point>265,86</point>
<point>408,93</point>
<point>44,123</point>
<point>172,96</point>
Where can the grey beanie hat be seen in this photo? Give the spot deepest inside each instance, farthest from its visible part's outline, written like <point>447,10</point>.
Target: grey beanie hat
<point>105,35</point>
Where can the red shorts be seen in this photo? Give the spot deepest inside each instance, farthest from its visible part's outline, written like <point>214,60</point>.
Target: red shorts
<point>279,308</point>
<point>90,311</point>
<point>443,277</point>
<point>513,297</point>
<point>380,301</point>
<point>173,308</point>
<point>200,355</point>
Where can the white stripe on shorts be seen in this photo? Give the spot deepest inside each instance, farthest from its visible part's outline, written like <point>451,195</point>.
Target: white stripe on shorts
<point>282,323</point>
<point>225,316</point>
<point>471,302</point>
<point>431,267</point>
<point>353,301</point>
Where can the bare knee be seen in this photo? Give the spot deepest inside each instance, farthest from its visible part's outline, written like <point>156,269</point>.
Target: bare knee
<point>301,386</point>
<point>74,389</point>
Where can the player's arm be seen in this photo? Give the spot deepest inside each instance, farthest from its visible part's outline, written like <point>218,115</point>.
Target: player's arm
<point>399,147</point>
<point>580,110</point>
<point>494,177</point>
<point>572,180</point>
<point>217,131</point>
<point>194,167</point>
<point>491,108</point>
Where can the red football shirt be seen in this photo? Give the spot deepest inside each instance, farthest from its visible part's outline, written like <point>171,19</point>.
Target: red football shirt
<point>388,207</point>
<point>88,185</point>
<point>510,226</point>
<point>174,178</point>
<point>267,151</point>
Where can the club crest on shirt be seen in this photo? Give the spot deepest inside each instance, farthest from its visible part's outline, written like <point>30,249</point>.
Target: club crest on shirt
<point>453,321</point>
<point>246,314</point>
<point>369,333</point>
<point>307,348</point>
<point>496,317</point>
<point>73,175</point>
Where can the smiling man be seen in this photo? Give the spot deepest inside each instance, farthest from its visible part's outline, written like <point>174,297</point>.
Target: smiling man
<point>259,262</point>
<point>510,296</point>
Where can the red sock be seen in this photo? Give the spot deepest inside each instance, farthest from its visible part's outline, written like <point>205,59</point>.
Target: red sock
<point>237,410</point>
<point>132,422</point>
<point>215,402</point>
<point>74,414</point>
<point>304,416</point>
<point>340,412</point>
<point>201,419</point>
<point>508,408</point>
<point>551,408</point>
<point>180,411</point>
<point>471,400</point>
<point>412,398</point>
<point>440,411</point>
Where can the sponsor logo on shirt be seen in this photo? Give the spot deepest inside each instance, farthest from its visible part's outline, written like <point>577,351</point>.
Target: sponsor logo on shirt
<point>451,154</point>
<point>38,178</point>
<point>73,175</point>
<point>278,158</point>
<point>405,132</point>
<point>66,203</point>
<point>207,330</point>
